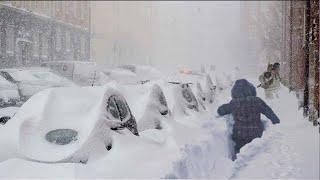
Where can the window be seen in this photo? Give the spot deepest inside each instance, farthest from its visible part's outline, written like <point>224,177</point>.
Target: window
<point>36,43</point>
<point>44,49</point>
<point>70,10</point>
<point>122,106</point>
<point>25,5</point>
<point>83,9</point>
<point>113,109</point>
<point>68,40</point>
<point>78,9</point>
<point>83,45</point>
<point>157,93</point>
<point>58,39</point>
<point>45,6</point>
<point>10,39</point>
<point>187,95</point>
<point>74,8</point>
<point>118,108</point>
<point>162,99</point>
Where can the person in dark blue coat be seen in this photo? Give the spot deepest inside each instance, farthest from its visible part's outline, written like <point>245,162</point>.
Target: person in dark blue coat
<point>246,109</point>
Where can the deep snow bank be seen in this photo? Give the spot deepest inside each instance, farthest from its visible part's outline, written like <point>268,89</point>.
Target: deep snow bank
<point>287,150</point>
<point>152,155</point>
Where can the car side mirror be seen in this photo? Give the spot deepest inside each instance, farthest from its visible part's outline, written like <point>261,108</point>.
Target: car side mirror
<point>4,119</point>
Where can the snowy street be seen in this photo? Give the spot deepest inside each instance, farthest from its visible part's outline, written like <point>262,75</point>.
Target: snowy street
<point>197,146</point>
<point>159,89</point>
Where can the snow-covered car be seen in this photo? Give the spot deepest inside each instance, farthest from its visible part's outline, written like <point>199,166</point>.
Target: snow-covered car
<point>187,97</point>
<point>148,103</point>
<point>7,113</point>
<point>143,72</point>
<point>181,96</point>
<point>205,90</point>
<point>9,95</point>
<point>210,89</point>
<point>202,85</point>
<point>128,74</point>
<point>224,79</point>
<point>156,102</point>
<point>81,72</point>
<point>115,74</point>
<point>71,124</point>
<point>32,80</point>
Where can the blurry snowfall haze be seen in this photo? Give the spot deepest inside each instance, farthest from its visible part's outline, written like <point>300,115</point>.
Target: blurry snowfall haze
<point>165,34</point>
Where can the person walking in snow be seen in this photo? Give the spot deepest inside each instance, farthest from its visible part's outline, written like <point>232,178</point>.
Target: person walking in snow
<point>270,81</point>
<point>246,109</point>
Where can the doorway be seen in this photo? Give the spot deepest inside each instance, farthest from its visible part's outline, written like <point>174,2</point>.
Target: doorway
<point>24,53</point>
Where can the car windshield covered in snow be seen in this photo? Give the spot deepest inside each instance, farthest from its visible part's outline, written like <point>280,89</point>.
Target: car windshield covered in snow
<point>118,108</point>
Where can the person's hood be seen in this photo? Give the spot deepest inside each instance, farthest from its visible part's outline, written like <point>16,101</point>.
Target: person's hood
<point>242,88</point>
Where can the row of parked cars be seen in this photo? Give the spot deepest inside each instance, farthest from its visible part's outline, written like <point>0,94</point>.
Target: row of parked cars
<point>18,85</point>
<point>71,123</point>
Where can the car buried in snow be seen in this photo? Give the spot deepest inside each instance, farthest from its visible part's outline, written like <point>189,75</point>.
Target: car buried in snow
<point>127,74</point>
<point>180,96</point>
<point>32,80</point>
<point>188,98</point>
<point>202,85</point>
<point>148,103</point>
<point>9,95</point>
<point>82,73</point>
<point>70,123</point>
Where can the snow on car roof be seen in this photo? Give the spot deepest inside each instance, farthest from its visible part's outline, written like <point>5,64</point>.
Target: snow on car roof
<point>25,74</point>
<point>48,76</point>
<point>35,74</point>
<point>21,75</point>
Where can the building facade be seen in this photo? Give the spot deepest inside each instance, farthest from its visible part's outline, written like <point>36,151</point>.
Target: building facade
<point>32,32</point>
<point>301,53</point>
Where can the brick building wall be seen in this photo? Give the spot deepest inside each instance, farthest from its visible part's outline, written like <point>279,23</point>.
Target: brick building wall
<point>301,53</point>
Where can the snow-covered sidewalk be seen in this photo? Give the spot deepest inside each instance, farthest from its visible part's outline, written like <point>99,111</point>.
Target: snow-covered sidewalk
<point>287,150</point>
